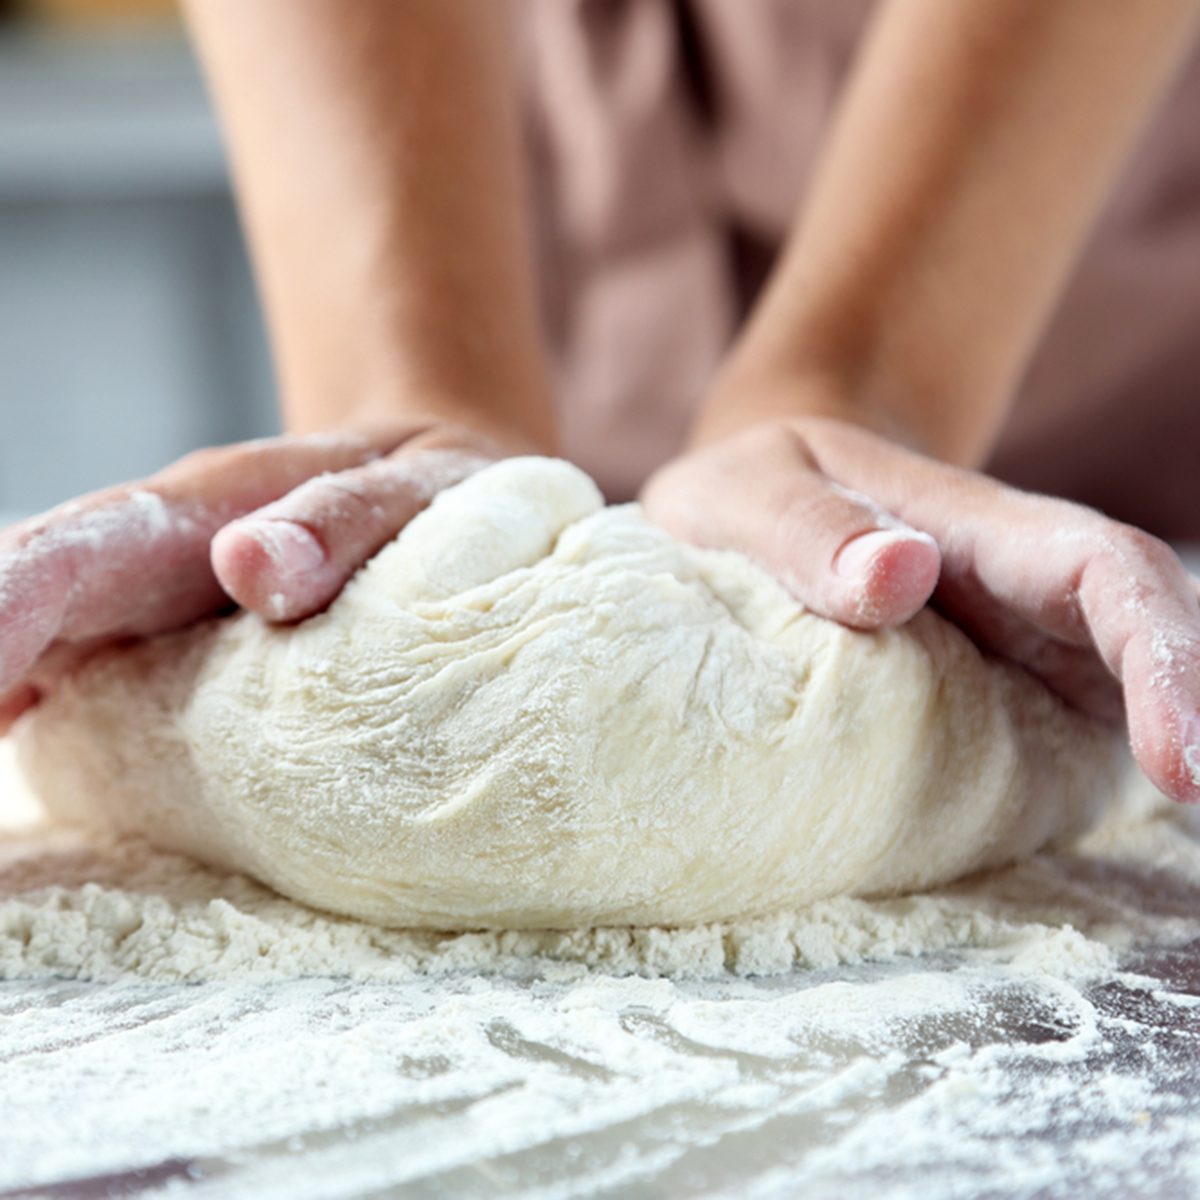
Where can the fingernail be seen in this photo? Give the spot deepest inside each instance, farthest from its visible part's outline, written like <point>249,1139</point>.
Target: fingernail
<point>854,559</point>
<point>290,547</point>
<point>1189,759</point>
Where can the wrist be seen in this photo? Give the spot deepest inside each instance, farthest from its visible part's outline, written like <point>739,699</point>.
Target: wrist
<point>872,399</point>
<point>743,397</point>
<point>516,416</point>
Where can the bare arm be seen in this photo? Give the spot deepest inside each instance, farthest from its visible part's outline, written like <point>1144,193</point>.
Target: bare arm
<point>376,153</point>
<point>970,154</point>
<point>377,157</point>
<point>969,157</point>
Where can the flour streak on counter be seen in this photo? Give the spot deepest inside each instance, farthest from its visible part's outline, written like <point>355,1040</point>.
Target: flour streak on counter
<point>925,1078</point>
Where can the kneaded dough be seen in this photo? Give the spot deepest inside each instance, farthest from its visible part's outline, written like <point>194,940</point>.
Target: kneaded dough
<point>530,710</point>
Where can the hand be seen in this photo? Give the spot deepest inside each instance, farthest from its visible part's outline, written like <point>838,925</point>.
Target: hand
<point>866,533</point>
<point>277,526</point>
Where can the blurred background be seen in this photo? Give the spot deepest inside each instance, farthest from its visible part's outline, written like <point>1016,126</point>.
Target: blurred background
<point>129,328</point>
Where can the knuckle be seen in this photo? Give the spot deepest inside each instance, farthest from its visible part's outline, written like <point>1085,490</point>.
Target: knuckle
<point>242,456</point>
<point>1139,547</point>
<point>445,437</point>
<point>197,460</point>
<point>813,522</point>
<point>673,498</point>
<point>423,471</point>
<point>795,436</point>
<point>804,428</point>
<point>334,499</point>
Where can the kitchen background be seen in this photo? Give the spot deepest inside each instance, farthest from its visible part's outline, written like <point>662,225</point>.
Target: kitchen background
<point>129,329</point>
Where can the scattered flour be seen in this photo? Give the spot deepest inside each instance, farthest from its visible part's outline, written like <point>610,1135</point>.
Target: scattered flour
<point>91,907</point>
<point>258,1048</point>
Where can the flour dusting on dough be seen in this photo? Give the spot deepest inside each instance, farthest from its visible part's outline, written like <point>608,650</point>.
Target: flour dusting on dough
<point>95,907</point>
<point>534,712</point>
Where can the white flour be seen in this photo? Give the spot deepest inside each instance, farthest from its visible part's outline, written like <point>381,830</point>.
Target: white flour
<point>94,908</point>
<point>487,1065</point>
<point>923,1083</point>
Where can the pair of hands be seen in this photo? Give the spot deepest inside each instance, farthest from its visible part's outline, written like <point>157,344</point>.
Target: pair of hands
<point>860,530</point>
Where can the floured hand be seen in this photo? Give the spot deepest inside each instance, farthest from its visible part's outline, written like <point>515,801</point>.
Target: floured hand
<point>865,532</point>
<point>277,526</point>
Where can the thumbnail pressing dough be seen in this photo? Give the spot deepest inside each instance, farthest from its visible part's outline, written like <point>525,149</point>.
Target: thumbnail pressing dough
<point>530,710</point>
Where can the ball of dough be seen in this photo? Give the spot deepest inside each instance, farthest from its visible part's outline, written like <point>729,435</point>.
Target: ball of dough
<point>530,710</point>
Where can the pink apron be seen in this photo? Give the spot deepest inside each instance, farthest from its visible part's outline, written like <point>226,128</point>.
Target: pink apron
<point>671,142</point>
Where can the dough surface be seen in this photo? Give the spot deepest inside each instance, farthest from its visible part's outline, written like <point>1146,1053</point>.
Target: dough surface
<point>532,711</point>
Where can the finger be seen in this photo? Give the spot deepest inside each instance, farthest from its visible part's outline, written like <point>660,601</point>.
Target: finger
<point>134,559</point>
<point>18,701</point>
<point>838,553</point>
<point>1116,590</point>
<point>61,659</point>
<point>290,559</point>
<point>1066,571</point>
<point>1140,607</point>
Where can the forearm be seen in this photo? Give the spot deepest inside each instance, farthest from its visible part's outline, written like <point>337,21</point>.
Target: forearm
<point>973,148</point>
<point>376,151</point>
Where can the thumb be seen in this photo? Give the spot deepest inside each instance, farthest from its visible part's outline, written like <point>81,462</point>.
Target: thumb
<point>837,552</point>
